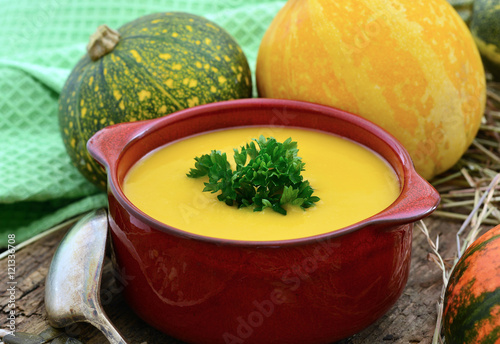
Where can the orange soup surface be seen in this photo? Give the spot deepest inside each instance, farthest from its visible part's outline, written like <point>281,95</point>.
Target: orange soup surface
<point>352,182</point>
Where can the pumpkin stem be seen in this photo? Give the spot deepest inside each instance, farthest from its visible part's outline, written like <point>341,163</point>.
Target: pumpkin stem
<point>103,41</point>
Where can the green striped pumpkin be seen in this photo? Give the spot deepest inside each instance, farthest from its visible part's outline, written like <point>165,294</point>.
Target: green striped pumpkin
<point>463,8</point>
<point>472,299</point>
<point>485,28</point>
<point>151,67</point>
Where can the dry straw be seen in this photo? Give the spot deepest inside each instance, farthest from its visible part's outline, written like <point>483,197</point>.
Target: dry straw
<point>470,194</point>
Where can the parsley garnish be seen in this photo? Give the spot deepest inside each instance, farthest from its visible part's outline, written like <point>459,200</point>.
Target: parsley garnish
<point>270,179</point>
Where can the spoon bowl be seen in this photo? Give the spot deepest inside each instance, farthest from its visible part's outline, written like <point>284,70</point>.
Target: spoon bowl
<point>74,278</point>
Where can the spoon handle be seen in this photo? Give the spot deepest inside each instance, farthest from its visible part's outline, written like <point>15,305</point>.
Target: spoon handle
<point>102,322</point>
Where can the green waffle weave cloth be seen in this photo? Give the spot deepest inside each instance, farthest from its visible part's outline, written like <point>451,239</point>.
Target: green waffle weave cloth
<point>41,42</point>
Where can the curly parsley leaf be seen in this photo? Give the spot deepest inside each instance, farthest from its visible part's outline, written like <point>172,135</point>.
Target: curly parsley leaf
<point>271,178</point>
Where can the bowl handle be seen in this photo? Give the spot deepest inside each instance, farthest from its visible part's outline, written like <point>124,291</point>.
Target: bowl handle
<point>107,144</point>
<point>417,200</point>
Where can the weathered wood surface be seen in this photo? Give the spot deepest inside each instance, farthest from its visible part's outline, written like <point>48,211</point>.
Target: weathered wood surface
<point>411,320</point>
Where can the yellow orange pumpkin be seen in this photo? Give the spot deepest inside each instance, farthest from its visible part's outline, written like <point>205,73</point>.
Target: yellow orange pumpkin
<point>409,66</point>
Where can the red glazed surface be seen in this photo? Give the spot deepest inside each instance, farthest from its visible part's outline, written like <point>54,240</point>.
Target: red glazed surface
<point>312,290</point>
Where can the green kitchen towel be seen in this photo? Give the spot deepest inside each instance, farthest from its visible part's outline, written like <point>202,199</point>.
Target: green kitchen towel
<point>40,43</point>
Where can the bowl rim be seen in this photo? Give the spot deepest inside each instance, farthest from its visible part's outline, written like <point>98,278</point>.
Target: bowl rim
<point>147,127</point>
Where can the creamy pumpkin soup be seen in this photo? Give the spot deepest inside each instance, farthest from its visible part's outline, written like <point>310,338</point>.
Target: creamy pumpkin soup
<point>352,182</point>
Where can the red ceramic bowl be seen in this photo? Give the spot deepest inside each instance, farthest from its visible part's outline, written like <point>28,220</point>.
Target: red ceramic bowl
<point>312,290</point>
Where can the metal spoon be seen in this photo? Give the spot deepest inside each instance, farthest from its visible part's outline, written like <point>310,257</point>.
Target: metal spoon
<point>74,279</point>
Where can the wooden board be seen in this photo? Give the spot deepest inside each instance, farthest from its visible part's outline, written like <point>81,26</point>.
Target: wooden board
<point>410,321</point>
